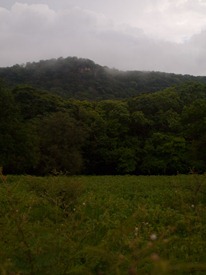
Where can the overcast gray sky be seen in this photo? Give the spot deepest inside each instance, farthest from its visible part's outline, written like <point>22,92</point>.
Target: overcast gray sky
<point>151,35</point>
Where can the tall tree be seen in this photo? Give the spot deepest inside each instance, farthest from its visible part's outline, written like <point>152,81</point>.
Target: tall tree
<point>17,154</point>
<point>61,139</point>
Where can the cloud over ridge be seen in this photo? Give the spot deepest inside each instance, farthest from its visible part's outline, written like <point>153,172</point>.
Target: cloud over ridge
<point>33,31</point>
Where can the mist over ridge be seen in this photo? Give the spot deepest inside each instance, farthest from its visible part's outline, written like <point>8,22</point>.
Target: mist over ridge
<point>82,78</point>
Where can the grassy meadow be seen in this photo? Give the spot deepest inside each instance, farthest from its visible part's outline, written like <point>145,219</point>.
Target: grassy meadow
<point>103,225</point>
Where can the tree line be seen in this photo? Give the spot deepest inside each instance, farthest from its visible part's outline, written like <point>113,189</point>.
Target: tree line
<point>82,79</point>
<point>154,133</point>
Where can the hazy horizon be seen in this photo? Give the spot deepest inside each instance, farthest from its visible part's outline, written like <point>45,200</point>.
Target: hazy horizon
<point>150,35</point>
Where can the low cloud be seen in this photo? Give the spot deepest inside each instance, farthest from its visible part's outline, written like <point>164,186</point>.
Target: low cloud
<point>36,31</point>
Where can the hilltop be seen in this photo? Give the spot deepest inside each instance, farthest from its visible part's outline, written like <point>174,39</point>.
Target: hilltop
<point>73,116</point>
<point>82,79</point>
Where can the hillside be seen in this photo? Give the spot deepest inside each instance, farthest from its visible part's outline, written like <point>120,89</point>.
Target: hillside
<point>83,79</point>
<point>153,133</point>
<point>73,116</point>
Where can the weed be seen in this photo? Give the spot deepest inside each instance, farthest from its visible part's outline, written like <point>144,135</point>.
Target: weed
<point>102,225</point>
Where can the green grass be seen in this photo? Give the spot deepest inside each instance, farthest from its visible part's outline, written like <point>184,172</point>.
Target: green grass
<point>103,225</point>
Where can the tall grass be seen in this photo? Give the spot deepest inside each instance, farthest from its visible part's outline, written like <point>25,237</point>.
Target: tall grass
<point>103,225</point>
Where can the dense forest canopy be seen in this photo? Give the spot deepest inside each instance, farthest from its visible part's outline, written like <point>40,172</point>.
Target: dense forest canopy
<point>80,78</point>
<point>45,129</point>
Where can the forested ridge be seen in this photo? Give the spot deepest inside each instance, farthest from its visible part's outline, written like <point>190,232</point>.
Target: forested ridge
<point>80,78</point>
<point>46,130</point>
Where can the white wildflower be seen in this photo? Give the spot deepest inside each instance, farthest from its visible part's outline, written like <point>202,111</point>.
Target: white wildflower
<point>136,231</point>
<point>153,237</point>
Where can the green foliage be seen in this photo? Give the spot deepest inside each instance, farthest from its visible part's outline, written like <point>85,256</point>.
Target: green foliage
<point>34,103</point>
<point>18,151</point>
<point>60,144</point>
<point>81,78</point>
<point>33,214</point>
<point>153,133</point>
<point>194,121</point>
<point>164,154</point>
<point>102,225</point>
